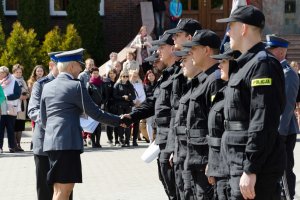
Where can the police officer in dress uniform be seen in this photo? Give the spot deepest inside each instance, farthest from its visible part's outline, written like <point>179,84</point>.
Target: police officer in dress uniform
<point>254,101</point>
<point>205,85</point>
<point>288,126</point>
<point>63,101</point>
<point>44,191</point>
<point>159,105</point>
<point>217,171</point>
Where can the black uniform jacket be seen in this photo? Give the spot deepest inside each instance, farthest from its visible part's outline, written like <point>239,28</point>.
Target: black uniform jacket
<point>254,101</point>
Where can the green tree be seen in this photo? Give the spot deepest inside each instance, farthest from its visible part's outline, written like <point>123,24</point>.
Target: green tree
<point>35,14</point>
<point>2,39</point>
<point>87,21</point>
<point>21,47</point>
<point>52,42</point>
<point>71,39</point>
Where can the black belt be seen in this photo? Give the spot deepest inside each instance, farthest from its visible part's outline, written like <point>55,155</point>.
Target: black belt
<point>180,130</point>
<point>162,120</point>
<point>199,133</point>
<point>235,125</point>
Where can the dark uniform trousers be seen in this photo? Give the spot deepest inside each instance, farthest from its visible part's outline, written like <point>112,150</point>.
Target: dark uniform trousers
<point>251,139</point>
<point>290,142</point>
<point>44,191</point>
<point>122,109</point>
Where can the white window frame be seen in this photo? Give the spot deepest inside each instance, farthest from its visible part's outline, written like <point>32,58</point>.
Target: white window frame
<point>54,12</point>
<point>101,8</point>
<point>8,12</point>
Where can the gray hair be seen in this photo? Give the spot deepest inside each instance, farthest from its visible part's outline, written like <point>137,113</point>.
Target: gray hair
<point>62,66</point>
<point>4,69</point>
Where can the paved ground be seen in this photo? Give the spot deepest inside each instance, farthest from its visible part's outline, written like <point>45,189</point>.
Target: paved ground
<point>109,173</point>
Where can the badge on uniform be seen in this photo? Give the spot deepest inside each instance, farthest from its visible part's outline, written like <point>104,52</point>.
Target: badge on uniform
<point>261,82</point>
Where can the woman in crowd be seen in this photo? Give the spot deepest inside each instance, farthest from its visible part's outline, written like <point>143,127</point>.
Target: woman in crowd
<point>95,89</point>
<point>37,73</point>
<point>118,67</point>
<point>17,71</point>
<point>9,108</point>
<point>137,83</point>
<point>130,63</point>
<point>142,44</point>
<point>109,102</point>
<point>123,95</point>
<point>113,58</point>
<point>149,84</point>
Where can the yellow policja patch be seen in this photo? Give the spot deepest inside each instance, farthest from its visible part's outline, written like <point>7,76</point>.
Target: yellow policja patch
<point>261,82</point>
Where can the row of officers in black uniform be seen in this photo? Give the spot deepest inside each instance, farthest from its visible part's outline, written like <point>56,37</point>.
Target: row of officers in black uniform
<point>225,127</point>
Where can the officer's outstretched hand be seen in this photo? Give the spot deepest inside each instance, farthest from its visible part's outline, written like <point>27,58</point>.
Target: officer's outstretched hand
<point>247,184</point>
<point>125,120</point>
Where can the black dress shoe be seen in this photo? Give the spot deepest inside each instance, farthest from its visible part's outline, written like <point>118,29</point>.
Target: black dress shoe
<point>11,150</point>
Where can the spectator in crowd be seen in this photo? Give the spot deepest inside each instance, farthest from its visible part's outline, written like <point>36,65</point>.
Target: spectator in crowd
<point>95,89</point>
<point>137,83</point>
<point>123,95</point>
<point>37,73</point>
<point>130,63</point>
<point>17,71</point>
<point>149,84</point>
<point>295,66</point>
<point>175,9</point>
<point>113,58</point>
<point>159,9</point>
<point>118,67</point>
<point>85,75</point>
<point>142,44</point>
<point>12,92</point>
<point>109,102</point>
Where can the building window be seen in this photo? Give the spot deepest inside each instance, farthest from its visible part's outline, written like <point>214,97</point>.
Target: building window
<point>10,7</point>
<point>58,7</point>
<point>101,8</point>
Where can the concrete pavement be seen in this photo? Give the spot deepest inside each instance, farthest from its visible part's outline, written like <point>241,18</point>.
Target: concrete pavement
<point>109,173</point>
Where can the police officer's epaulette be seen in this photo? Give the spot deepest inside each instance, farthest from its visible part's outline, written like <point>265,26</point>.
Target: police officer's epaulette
<point>44,79</point>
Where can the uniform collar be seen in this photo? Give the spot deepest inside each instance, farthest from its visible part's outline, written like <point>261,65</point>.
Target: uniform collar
<point>65,74</point>
<point>245,57</point>
<point>203,75</point>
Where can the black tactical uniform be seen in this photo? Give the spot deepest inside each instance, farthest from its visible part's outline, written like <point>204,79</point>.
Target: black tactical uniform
<point>181,137</point>
<point>254,101</point>
<point>159,105</point>
<point>216,166</point>
<point>197,130</point>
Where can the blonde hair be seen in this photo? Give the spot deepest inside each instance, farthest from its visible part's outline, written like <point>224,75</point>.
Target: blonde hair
<point>135,72</point>
<point>122,74</point>
<point>4,69</point>
<point>16,67</point>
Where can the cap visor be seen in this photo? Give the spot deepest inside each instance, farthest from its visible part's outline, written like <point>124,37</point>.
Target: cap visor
<point>153,48</point>
<point>151,58</point>
<point>225,20</point>
<point>180,53</point>
<point>158,42</point>
<point>174,30</point>
<point>221,57</point>
<point>81,63</point>
<point>190,44</point>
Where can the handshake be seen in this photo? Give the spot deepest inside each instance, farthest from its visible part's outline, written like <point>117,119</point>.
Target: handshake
<point>125,121</point>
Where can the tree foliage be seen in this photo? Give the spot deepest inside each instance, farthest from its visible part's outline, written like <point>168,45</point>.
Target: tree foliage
<point>52,42</point>
<point>87,21</point>
<point>71,39</point>
<point>35,14</point>
<point>21,47</point>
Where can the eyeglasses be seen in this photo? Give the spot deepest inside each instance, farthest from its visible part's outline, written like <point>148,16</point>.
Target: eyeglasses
<point>125,76</point>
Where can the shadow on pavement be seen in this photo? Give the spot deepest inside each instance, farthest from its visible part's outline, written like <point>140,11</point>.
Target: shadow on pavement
<point>18,154</point>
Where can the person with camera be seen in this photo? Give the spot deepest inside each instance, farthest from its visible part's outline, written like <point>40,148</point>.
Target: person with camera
<point>21,116</point>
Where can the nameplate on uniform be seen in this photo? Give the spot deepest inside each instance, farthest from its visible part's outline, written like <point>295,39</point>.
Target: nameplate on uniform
<point>261,82</point>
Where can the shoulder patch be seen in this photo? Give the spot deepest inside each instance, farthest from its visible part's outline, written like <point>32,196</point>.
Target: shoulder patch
<point>261,82</point>
<point>212,97</point>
